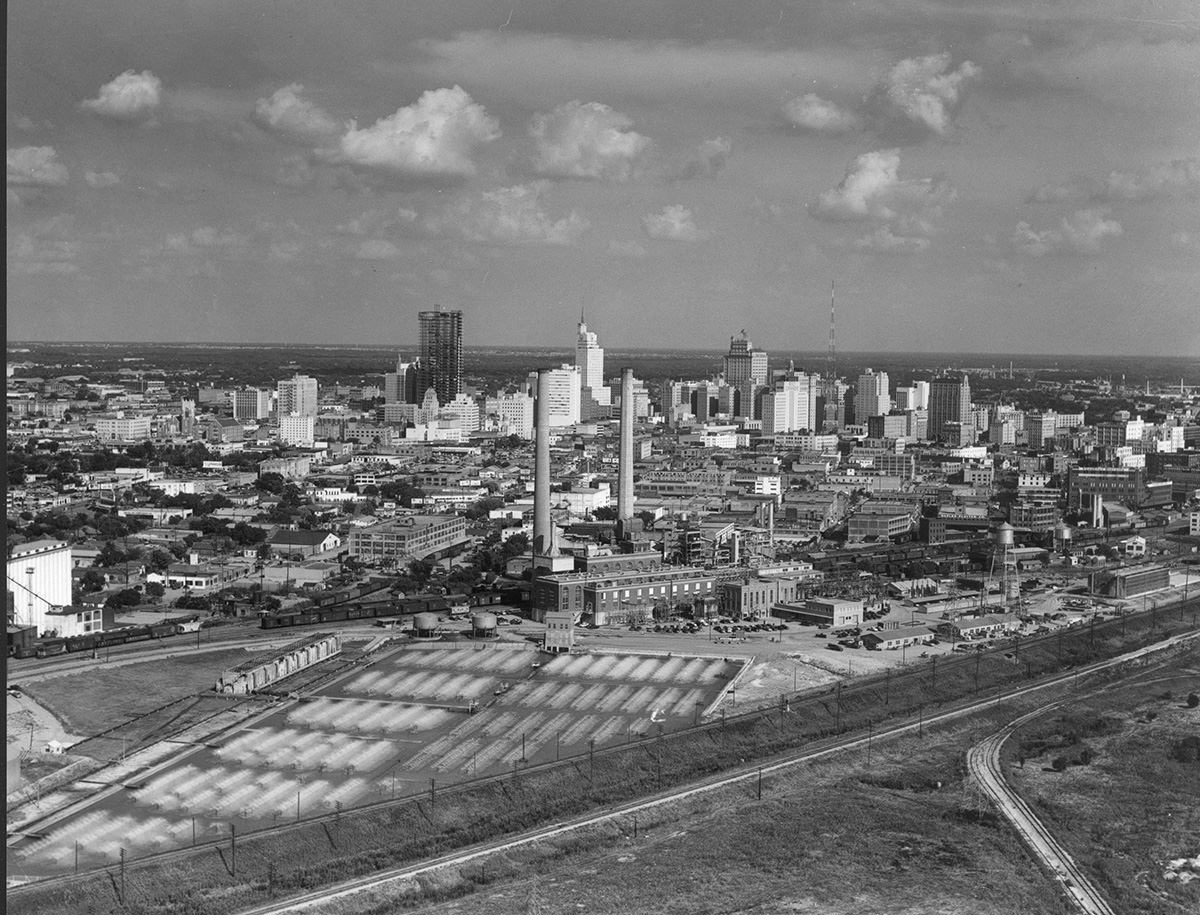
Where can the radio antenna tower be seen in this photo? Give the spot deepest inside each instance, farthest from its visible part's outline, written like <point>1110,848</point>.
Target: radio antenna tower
<point>831,368</point>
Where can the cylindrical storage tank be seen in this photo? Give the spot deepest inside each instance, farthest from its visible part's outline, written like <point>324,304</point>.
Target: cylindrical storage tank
<point>1062,536</point>
<point>600,618</point>
<point>1004,535</point>
<point>425,625</point>
<point>483,624</point>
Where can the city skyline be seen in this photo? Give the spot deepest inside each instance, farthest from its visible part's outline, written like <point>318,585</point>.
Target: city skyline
<point>977,179</point>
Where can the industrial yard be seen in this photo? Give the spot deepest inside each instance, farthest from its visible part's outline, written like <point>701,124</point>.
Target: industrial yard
<point>410,719</point>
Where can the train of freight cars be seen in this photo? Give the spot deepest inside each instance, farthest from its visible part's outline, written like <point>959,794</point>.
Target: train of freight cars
<point>45,648</point>
<point>401,606</point>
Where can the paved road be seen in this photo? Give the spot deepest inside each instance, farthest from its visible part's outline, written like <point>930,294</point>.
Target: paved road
<point>983,762</point>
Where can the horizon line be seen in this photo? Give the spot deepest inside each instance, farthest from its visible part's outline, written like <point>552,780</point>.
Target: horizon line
<point>567,349</point>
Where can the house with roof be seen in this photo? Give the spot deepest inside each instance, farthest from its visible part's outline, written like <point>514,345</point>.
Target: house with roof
<point>303,543</point>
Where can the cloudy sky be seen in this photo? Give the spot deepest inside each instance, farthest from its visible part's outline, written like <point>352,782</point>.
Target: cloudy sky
<point>978,175</point>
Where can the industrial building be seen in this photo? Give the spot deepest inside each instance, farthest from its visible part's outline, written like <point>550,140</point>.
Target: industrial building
<point>416,536</point>
<point>823,611</point>
<point>616,593</point>
<point>260,672</point>
<point>1130,582</point>
<point>560,631</point>
<point>39,579</point>
<point>891,639</point>
<point>751,598</point>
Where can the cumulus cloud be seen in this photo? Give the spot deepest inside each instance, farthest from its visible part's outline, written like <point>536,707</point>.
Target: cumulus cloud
<point>586,140</point>
<point>436,136</point>
<point>511,215</point>
<point>1080,233</point>
<point>35,166</point>
<point>1164,179</point>
<point>294,116</point>
<point>707,160</point>
<point>925,91</point>
<point>674,223</point>
<point>101,179</point>
<point>130,97</point>
<point>904,212</point>
<point>872,189</point>
<point>811,112</point>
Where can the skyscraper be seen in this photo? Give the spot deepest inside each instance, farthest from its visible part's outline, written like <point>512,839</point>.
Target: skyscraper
<point>791,406</point>
<point>297,395</point>
<point>594,396</point>
<point>949,402</point>
<point>400,386</point>
<point>745,370</point>
<point>872,397</point>
<point>441,354</point>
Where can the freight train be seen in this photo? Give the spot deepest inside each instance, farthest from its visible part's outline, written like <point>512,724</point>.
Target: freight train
<point>385,607</point>
<point>45,648</point>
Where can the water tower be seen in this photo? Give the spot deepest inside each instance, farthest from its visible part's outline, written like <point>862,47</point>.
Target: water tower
<point>1010,582</point>
<point>1062,538</point>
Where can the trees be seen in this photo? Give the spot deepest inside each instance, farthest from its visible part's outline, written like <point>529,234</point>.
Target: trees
<point>155,590</point>
<point>127,597</point>
<point>159,560</point>
<point>270,482</point>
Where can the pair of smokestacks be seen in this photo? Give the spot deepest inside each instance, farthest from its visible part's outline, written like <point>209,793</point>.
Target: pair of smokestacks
<point>543,528</point>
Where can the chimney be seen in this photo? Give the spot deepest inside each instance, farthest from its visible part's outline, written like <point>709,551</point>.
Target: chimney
<point>542,539</point>
<point>625,467</point>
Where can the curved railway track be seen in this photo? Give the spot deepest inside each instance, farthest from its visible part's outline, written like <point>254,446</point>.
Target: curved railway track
<point>983,763</point>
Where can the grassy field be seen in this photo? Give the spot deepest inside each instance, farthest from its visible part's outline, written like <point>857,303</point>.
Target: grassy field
<point>94,701</point>
<point>1127,802</point>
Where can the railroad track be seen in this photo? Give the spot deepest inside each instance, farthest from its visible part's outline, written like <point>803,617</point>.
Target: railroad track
<point>983,763</point>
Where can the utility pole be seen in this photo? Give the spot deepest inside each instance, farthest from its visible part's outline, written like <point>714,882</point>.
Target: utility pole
<point>122,875</point>
<point>760,783</point>
<point>233,849</point>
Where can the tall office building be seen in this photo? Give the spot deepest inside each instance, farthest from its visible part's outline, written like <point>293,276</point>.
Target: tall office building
<point>595,398</point>
<point>562,394</point>
<point>872,397</point>
<point>949,402</point>
<point>745,370</point>
<point>252,403</point>
<point>400,386</point>
<point>441,354</point>
<point>297,395</point>
<point>791,406</point>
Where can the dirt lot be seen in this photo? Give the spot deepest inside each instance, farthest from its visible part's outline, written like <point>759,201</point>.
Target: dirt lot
<point>93,701</point>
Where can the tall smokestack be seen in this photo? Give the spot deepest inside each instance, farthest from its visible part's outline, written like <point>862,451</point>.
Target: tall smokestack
<point>625,468</point>
<point>542,526</point>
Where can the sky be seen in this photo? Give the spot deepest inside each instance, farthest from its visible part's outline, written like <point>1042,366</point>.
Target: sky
<point>974,175</point>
